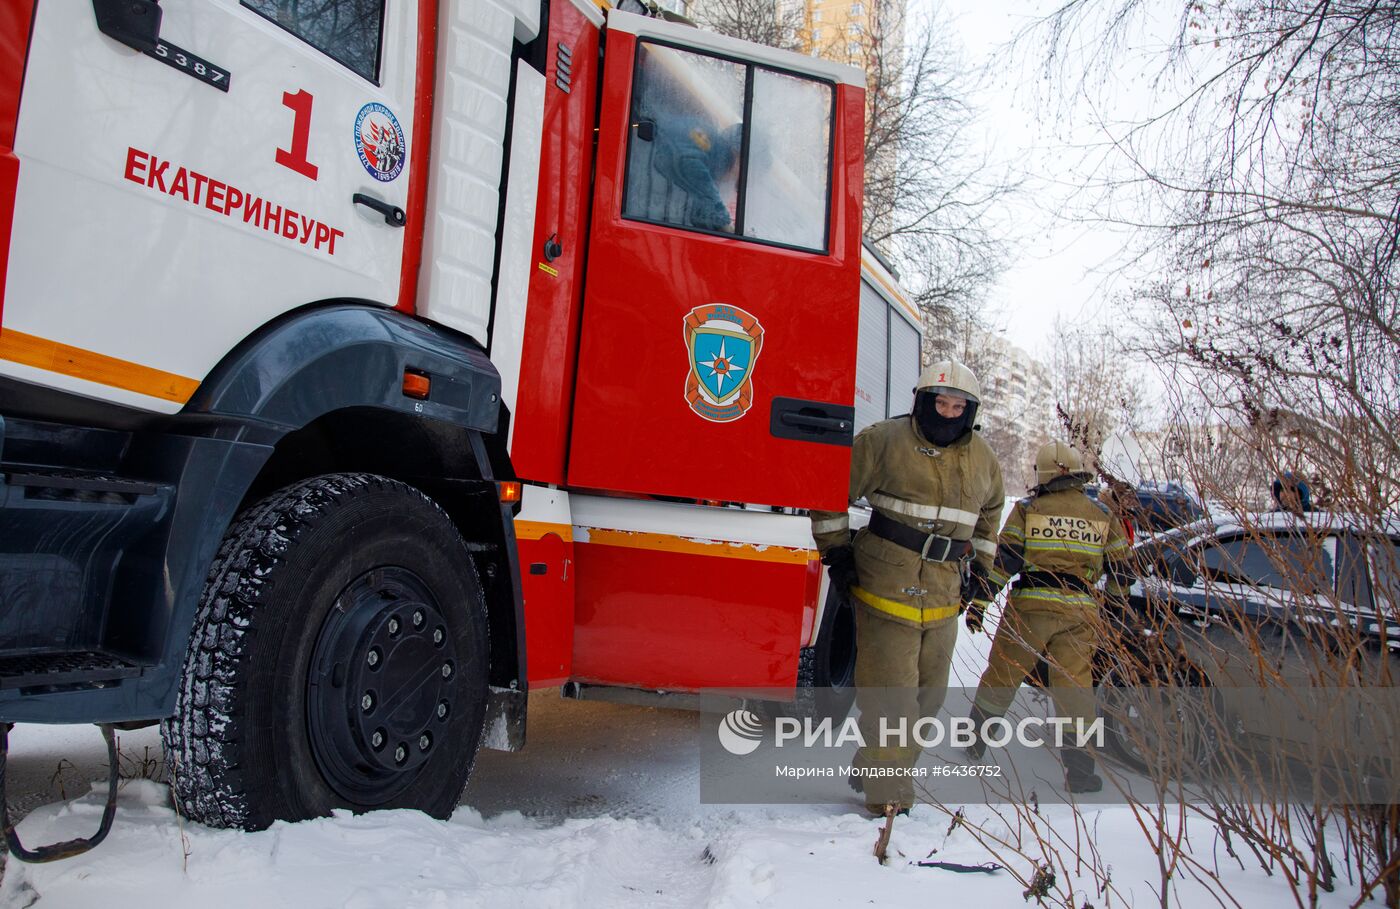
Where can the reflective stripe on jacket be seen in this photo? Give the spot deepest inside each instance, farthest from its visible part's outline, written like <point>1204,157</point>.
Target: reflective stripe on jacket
<point>1061,532</point>
<point>954,492</point>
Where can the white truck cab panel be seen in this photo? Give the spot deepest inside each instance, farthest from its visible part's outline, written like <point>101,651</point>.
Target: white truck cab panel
<point>162,177</point>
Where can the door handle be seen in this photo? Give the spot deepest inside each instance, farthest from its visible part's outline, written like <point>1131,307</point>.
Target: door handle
<point>812,421</point>
<point>815,423</point>
<point>393,215</point>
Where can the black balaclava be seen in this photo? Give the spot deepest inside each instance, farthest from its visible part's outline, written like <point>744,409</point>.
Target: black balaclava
<point>1067,481</point>
<point>938,429</point>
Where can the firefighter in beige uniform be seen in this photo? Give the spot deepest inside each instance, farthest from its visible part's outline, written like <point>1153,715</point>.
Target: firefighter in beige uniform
<point>936,496</point>
<point>1060,542</point>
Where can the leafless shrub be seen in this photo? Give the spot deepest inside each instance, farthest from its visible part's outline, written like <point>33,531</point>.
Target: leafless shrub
<point>1279,691</point>
<point>1260,193</point>
<point>142,766</point>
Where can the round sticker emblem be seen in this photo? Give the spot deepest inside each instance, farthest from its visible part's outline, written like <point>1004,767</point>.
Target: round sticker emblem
<point>379,141</point>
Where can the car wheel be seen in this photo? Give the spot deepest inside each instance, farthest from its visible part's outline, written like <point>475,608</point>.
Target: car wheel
<point>1170,728</point>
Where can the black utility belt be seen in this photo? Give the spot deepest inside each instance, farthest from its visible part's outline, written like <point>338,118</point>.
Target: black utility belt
<point>931,547</point>
<point>1054,580</point>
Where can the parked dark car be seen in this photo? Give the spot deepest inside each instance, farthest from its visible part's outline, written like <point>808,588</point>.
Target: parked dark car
<point>1257,622</point>
<point>1163,506</point>
<point>1275,565</point>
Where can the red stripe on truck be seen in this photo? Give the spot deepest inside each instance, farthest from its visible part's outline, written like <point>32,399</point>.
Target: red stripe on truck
<point>15,19</point>
<point>418,159</point>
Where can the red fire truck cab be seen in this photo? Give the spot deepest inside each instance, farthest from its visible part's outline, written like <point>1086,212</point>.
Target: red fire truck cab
<point>364,365</point>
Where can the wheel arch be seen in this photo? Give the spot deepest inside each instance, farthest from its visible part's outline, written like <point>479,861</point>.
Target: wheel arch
<point>322,388</point>
<point>459,469</point>
<point>317,390</point>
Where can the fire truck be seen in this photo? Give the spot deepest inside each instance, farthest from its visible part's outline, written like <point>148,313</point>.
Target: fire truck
<point>364,365</point>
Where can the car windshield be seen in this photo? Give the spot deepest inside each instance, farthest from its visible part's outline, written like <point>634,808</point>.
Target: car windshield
<point>1173,540</point>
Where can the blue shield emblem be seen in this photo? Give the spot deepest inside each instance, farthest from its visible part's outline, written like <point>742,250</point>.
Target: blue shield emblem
<point>721,360</point>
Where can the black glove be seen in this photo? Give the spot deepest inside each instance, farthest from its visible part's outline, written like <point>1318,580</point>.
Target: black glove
<point>840,562</point>
<point>978,585</point>
<point>972,617</point>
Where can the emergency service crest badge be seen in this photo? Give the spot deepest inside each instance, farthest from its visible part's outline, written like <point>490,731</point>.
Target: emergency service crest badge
<point>379,142</point>
<point>723,343</point>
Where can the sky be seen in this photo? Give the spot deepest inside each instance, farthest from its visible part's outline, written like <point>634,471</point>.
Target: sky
<point>1058,268</point>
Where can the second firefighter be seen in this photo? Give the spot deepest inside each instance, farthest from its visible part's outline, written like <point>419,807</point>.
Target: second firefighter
<point>1057,543</point>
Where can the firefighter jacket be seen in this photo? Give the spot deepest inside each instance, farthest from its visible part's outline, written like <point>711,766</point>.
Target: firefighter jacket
<point>954,492</point>
<point>1061,542</point>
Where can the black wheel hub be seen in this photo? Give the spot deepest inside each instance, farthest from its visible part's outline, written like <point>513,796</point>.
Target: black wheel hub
<point>382,685</point>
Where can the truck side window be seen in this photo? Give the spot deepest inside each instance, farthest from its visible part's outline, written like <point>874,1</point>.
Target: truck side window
<point>789,160</point>
<point>904,364</point>
<point>694,119</point>
<point>347,31</point>
<point>687,126</point>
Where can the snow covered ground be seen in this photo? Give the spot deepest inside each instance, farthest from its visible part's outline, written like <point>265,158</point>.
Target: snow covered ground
<point>601,810</point>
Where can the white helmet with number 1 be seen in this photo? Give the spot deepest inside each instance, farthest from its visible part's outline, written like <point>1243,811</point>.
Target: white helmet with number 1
<point>949,377</point>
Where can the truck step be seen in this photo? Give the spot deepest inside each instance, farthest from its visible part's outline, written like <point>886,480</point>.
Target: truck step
<point>55,851</point>
<point>73,484</point>
<point>81,667</point>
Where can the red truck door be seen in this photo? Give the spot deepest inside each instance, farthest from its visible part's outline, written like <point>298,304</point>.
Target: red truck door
<point>719,320</point>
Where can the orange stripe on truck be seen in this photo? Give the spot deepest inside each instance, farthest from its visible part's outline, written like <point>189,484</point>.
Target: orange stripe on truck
<point>665,542</point>
<point>41,353</point>
<point>535,530</point>
<point>724,549</point>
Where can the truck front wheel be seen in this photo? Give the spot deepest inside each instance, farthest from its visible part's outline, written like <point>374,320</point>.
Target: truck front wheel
<point>338,660</point>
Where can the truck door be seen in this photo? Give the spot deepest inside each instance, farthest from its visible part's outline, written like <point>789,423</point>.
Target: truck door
<point>150,180</point>
<point>722,287</point>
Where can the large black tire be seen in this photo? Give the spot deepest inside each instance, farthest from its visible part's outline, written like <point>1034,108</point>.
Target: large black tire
<point>826,671</point>
<point>833,663</point>
<point>338,660</point>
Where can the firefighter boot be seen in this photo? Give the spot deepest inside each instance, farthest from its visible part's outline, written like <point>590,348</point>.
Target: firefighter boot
<point>974,752</point>
<point>1079,771</point>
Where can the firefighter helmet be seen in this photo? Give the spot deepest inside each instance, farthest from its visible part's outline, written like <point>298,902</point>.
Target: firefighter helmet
<point>950,377</point>
<point>1058,459</point>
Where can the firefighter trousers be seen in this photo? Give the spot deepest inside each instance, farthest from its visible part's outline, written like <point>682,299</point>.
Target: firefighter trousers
<point>1066,639</point>
<point>901,675</point>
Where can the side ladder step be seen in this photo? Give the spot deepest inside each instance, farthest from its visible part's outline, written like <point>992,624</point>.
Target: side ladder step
<point>90,667</point>
<point>76,482</point>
